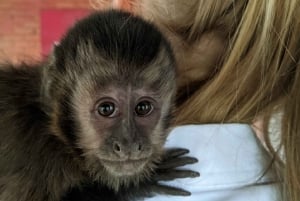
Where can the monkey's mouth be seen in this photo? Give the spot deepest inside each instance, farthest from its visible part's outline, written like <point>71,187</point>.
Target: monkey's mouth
<point>124,167</point>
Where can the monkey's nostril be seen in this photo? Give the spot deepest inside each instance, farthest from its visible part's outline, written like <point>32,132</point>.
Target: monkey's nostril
<point>133,149</point>
<point>116,147</point>
<point>139,147</point>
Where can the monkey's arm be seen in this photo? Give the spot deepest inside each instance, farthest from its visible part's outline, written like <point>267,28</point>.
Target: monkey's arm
<point>166,170</point>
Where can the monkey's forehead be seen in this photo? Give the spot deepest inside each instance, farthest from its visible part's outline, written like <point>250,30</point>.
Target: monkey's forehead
<point>114,35</point>
<point>125,93</point>
<point>157,80</point>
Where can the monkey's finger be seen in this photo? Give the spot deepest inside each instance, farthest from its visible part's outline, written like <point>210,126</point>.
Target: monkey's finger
<point>175,174</point>
<point>177,162</point>
<point>168,190</point>
<point>175,152</point>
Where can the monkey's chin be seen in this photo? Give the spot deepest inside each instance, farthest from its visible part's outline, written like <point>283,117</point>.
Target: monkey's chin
<point>124,168</point>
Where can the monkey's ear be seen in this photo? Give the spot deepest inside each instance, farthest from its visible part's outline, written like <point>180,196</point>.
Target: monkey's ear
<point>52,55</point>
<point>56,59</point>
<point>48,69</point>
<point>55,44</point>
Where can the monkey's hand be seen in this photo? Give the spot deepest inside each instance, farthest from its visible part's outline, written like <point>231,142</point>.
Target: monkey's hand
<point>166,171</point>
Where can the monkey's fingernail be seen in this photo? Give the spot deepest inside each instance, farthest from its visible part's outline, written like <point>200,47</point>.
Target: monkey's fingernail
<point>193,160</point>
<point>186,193</point>
<point>185,150</point>
<point>195,174</point>
<point>180,151</point>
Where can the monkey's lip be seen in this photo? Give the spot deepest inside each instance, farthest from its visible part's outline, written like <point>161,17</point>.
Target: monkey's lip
<point>127,161</point>
<point>124,167</point>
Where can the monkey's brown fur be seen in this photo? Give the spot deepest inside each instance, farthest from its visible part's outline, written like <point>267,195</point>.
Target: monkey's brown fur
<point>52,137</point>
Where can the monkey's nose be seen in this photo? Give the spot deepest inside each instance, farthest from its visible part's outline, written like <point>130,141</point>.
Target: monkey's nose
<point>137,147</point>
<point>131,149</point>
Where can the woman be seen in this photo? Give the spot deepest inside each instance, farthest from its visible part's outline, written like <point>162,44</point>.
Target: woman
<point>238,62</point>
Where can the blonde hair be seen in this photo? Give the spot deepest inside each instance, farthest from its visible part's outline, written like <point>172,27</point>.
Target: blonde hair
<point>259,73</point>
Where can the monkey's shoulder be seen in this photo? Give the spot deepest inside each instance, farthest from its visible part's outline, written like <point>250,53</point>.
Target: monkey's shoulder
<point>20,78</point>
<point>19,90</point>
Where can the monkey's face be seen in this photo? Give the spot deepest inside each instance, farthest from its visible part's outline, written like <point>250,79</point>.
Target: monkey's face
<point>122,129</point>
<point>122,122</point>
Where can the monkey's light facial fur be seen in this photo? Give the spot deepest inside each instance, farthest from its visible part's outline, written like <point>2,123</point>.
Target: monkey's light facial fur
<point>120,128</point>
<point>115,83</point>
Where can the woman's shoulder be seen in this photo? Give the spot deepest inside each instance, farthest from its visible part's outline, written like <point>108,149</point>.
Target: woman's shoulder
<point>232,163</point>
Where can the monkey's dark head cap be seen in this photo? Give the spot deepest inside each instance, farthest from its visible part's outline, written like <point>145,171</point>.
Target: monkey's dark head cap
<point>115,35</point>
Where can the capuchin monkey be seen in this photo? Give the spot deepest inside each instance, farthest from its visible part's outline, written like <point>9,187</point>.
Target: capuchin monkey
<point>90,122</point>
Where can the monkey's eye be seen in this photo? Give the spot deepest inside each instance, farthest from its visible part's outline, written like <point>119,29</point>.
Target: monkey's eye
<point>143,108</point>
<point>106,109</point>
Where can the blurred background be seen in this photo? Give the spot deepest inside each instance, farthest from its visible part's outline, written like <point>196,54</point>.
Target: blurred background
<point>29,28</point>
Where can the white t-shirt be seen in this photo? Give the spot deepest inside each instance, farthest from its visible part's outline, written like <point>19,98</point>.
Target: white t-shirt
<point>233,164</point>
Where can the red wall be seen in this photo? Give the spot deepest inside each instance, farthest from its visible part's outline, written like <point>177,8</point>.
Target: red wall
<point>20,26</point>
